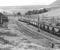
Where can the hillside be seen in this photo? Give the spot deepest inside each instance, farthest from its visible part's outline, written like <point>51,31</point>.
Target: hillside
<point>55,4</point>
<point>55,9</point>
<point>52,13</point>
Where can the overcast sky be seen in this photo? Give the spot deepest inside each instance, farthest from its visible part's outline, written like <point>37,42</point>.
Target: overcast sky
<point>25,2</point>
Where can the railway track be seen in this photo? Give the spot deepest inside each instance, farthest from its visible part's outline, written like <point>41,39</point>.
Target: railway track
<point>33,34</point>
<point>36,35</point>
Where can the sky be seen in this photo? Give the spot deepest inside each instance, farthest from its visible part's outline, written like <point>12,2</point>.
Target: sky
<point>25,2</point>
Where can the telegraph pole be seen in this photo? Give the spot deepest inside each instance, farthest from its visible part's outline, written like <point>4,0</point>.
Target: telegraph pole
<point>38,23</point>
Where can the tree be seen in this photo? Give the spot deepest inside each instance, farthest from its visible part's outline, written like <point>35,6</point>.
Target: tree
<point>36,11</point>
<point>45,10</point>
<point>18,13</point>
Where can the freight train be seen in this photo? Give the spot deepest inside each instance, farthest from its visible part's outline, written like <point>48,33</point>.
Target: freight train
<point>55,30</point>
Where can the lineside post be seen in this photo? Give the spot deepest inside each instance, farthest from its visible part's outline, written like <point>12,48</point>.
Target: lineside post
<point>38,24</point>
